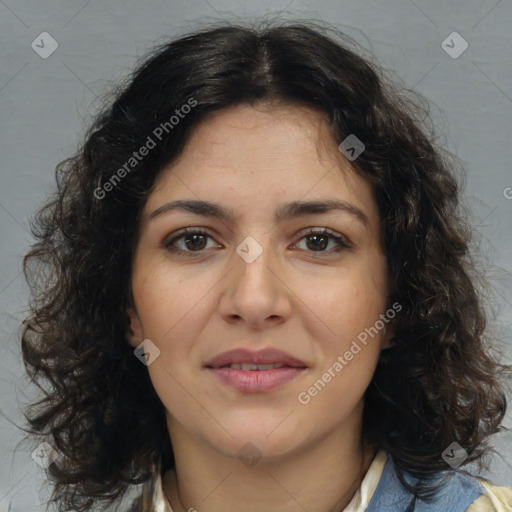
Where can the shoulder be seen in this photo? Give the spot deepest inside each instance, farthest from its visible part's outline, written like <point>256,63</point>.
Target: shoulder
<point>145,501</point>
<point>152,498</point>
<point>454,491</point>
<point>495,499</point>
<point>135,506</point>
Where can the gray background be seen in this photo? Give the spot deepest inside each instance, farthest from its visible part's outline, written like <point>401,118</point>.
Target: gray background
<point>45,104</point>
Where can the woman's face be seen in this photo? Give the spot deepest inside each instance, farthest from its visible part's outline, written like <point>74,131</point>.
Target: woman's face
<point>255,281</point>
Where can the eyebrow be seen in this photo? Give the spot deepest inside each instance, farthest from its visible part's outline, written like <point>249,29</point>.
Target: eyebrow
<point>288,211</point>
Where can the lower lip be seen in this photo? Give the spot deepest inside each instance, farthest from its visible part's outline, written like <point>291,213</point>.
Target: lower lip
<point>256,381</point>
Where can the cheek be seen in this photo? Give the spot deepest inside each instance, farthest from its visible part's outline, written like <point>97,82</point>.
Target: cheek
<point>349,354</point>
<point>355,308</point>
<point>170,309</point>
<point>164,298</point>
<point>351,303</point>
<point>173,309</point>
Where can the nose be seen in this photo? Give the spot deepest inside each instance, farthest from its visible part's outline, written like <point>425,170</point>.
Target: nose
<point>255,292</point>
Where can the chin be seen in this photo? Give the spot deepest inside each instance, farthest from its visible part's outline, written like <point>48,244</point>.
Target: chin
<point>252,448</point>
<point>260,437</point>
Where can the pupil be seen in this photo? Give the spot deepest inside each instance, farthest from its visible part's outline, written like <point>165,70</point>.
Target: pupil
<point>312,238</point>
<point>194,237</point>
<point>316,237</point>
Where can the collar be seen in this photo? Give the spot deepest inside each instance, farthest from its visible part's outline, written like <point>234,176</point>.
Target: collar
<point>359,502</point>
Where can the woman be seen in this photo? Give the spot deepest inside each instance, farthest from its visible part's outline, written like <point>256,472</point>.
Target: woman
<point>258,292</point>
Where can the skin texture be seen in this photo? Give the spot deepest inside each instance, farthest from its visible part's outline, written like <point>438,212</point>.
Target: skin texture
<point>312,303</point>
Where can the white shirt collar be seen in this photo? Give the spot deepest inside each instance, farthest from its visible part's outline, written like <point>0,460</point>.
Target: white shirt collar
<point>359,502</point>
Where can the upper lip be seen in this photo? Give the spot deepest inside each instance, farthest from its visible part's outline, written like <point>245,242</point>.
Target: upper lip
<point>266,356</point>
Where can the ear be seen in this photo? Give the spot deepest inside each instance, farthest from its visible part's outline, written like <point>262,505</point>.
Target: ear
<point>134,334</point>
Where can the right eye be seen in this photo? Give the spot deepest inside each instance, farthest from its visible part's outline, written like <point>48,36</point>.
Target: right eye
<point>193,240</point>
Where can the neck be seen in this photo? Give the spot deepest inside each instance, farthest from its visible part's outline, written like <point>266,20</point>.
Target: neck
<point>323,477</point>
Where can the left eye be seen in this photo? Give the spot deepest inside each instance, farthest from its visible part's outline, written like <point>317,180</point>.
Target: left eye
<point>195,241</point>
<point>320,237</point>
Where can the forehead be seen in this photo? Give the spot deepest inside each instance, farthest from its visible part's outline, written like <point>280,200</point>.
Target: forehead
<point>269,132</point>
<point>259,157</point>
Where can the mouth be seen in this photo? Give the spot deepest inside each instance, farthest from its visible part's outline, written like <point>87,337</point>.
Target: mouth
<point>262,360</point>
<point>252,367</point>
<point>256,380</point>
<point>255,372</point>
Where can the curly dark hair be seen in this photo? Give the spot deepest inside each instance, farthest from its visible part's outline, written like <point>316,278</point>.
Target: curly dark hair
<point>438,383</point>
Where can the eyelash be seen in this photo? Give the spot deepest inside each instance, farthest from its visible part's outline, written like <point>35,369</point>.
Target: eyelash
<point>342,243</point>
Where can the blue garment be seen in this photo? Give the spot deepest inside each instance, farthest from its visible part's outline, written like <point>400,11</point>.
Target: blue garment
<point>456,495</point>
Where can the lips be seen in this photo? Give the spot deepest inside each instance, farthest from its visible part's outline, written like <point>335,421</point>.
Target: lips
<point>255,372</point>
<point>242,356</point>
